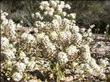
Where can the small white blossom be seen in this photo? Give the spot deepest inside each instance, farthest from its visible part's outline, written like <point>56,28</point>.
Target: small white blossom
<point>26,60</point>
<point>72,50</point>
<point>3,15</point>
<point>67,6</point>
<point>77,38</point>
<point>66,21</point>
<point>9,54</point>
<point>29,37</point>
<point>4,42</point>
<point>53,3</point>
<point>102,76</point>
<point>39,24</point>
<point>86,52</point>
<point>65,35</point>
<point>40,36</point>
<point>62,58</point>
<point>79,69</point>
<point>48,45</point>
<point>58,17</point>
<point>82,30</point>
<point>55,24</point>
<point>60,8</point>
<point>74,64</point>
<point>88,69</point>
<point>17,76</point>
<point>22,55</point>
<point>49,12</point>
<point>104,62</point>
<point>95,66</point>
<point>72,15</point>
<point>43,5</point>
<point>64,13</point>
<point>38,15</point>
<point>54,35</point>
<point>20,66</point>
<point>92,26</point>
<point>5,22</point>
<point>75,29</point>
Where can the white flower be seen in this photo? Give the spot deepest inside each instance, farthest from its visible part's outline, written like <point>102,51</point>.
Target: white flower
<point>92,26</point>
<point>44,4</point>
<point>64,13</point>
<point>62,3</point>
<point>9,54</point>
<point>22,55</point>
<point>12,48</point>
<point>18,26</point>
<point>54,35</point>
<point>3,15</point>
<point>72,15</point>
<point>66,21</point>
<point>67,6</point>
<point>40,36</point>
<point>50,12</point>
<point>26,60</point>
<point>38,15</point>
<point>17,76</point>
<point>79,69</point>
<point>65,36</point>
<point>77,38</point>
<point>12,26</point>
<point>86,52</point>
<point>89,30</point>
<point>46,39</point>
<point>62,58</point>
<point>59,8</point>
<point>72,50</point>
<point>75,29</point>
<point>5,22</point>
<point>55,24</point>
<point>24,35</point>
<point>95,66</point>
<point>89,39</point>
<point>51,48</point>
<point>103,62</point>
<point>74,64</point>
<point>58,17</point>
<point>9,63</point>
<point>20,66</point>
<point>41,7</point>
<point>102,76</point>
<point>82,30</point>
<point>29,37</point>
<point>39,24</point>
<point>4,42</point>
<point>88,69</point>
<point>48,45</point>
<point>53,3</point>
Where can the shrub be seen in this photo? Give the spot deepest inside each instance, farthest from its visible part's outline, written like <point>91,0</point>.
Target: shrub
<point>56,45</point>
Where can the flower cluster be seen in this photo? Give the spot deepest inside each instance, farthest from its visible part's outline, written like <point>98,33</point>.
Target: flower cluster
<point>57,40</point>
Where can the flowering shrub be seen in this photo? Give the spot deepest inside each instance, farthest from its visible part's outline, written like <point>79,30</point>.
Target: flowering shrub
<point>56,45</point>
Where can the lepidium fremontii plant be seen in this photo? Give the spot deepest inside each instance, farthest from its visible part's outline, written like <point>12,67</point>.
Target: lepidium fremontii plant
<point>56,45</point>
